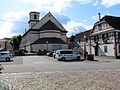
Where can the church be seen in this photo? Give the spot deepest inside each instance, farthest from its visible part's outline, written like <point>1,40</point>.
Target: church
<point>44,34</point>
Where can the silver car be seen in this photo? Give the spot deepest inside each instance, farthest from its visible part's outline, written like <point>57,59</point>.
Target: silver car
<point>5,56</point>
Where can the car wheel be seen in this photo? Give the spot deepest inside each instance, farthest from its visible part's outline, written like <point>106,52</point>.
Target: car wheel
<point>63,58</point>
<point>7,59</point>
<point>78,58</point>
<point>59,59</point>
<point>54,56</point>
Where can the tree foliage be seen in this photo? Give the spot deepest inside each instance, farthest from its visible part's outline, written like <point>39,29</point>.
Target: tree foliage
<point>15,42</point>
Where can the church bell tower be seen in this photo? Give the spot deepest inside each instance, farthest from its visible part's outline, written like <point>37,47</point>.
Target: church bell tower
<point>33,19</point>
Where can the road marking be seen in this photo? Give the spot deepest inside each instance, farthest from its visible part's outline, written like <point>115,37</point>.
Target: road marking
<point>39,62</point>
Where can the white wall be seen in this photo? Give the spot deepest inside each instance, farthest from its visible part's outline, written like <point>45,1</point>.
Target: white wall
<point>110,49</point>
<point>88,48</point>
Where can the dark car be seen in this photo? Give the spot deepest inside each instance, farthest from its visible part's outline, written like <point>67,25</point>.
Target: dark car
<point>20,52</point>
<point>50,53</point>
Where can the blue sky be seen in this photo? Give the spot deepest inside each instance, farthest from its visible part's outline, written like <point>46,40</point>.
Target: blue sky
<point>75,15</point>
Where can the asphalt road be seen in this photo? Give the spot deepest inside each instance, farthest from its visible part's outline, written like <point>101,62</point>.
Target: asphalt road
<point>49,64</point>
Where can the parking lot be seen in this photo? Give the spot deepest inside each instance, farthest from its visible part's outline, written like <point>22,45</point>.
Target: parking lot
<point>48,64</point>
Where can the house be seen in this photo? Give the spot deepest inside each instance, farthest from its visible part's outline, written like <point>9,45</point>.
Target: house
<point>83,40</point>
<point>71,42</point>
<point>77,42</point>
<point>105,36</point>
<point>80,37</point>
<point>44,34</point>
<point>5,44</point>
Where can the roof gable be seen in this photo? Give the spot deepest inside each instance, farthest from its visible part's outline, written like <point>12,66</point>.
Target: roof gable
<point>49,26</point>
<point>47,18</point>
<point>112,21</point>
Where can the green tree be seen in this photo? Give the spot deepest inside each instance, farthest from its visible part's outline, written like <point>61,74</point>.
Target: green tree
<point>15,42</point>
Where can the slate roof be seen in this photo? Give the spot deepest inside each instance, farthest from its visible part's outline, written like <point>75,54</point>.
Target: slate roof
<point>113,21</point>
<point>51,40</point>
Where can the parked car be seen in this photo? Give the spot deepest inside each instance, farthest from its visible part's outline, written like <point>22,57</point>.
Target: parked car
<point>67,55</point>
<point>50,53</point>
<point>42,52</point>
<point>5,56</point>
<point>54,53</point>
<point>20,52</point>
<point>2,49</point>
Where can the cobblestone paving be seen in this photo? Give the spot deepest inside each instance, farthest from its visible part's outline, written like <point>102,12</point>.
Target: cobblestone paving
<point>4,86</point>
<point>80,80</point>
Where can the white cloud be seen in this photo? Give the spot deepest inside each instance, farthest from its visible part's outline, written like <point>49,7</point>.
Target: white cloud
<point>53,5</point>
<point>110,3</point>
<point>96,3</point>
<point>96,17</point>
<point>75,27</point>
<point>36,5</point>
<point>84,1</point>
<point>9,18</point>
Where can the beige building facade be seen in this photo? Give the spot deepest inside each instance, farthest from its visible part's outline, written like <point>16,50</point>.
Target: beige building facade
<point>5,44</point>
<point>45,34</point>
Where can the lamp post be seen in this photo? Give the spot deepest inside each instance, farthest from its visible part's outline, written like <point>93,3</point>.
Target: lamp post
<point>47,45</point>
<point>90,45</point>
<point>11,42</point>
<point>84,48</point>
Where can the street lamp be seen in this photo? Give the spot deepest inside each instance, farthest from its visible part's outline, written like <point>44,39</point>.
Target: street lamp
<point>11,42</point>
<point>84,48</point>
<point>47,45</point>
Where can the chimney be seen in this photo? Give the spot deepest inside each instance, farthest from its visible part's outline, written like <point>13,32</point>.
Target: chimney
<point>99,14</point>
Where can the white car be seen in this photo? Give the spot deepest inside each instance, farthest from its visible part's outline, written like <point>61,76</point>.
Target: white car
<point>54,53</point>
<point>67,55</point>
<point>5,56</point>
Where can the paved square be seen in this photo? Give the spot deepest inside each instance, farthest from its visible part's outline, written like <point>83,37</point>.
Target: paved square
<point>46,64</point>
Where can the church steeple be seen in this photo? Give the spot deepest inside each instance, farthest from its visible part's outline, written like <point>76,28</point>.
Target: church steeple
<point>34,18</point>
